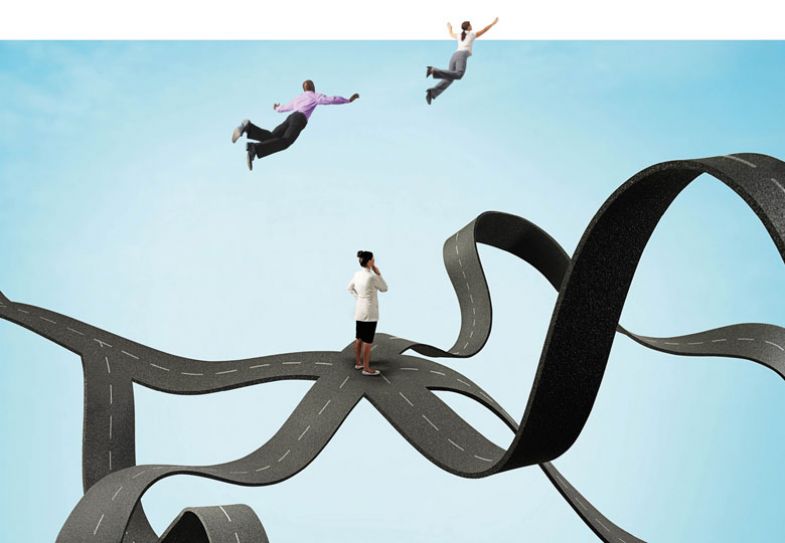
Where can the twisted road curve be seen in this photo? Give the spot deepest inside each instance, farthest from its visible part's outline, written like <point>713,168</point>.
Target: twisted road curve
<point>592,288</point>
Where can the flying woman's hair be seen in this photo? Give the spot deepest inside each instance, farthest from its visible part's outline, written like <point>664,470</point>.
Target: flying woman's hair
<point>365,257</point>
<point>464,26</point>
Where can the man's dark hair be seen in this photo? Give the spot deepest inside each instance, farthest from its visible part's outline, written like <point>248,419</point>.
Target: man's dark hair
<point>365,257</point>
<point>308,85</point>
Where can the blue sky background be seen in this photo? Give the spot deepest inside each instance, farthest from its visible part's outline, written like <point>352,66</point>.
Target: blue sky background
<point>124,204</point>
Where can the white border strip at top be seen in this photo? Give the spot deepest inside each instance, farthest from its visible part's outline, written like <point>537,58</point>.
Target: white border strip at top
<point>390,20</point>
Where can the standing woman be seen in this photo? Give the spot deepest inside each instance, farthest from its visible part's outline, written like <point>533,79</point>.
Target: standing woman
<point>458,60</point>
<point>363,287</point>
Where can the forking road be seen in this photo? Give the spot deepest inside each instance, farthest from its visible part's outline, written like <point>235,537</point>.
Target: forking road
<point>592,287</point>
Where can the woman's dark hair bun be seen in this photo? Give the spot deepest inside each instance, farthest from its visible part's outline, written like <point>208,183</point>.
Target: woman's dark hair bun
<point>365,257</point>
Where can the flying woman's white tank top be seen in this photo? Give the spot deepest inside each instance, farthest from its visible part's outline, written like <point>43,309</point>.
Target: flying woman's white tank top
<point>467,43</point>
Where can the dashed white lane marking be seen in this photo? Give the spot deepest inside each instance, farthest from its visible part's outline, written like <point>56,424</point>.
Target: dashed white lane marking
<point>285,454</point>
<point>386,380</point>
<point>324,407</point>
<point>462,381</point>
<point>323,363</point>
<point>471,297</point>
<point>778,184</point>
<point>258,366</point>
<point>238,472</point>
<point>601,524</point>
<point>437,372</point>
<point>344,382</point>
<point>108,368</point>
<point>110,460</point>
<point>225,372</point>
<point>718,340</point>
<point>304,432</point>
<point>372,348</point>
<point>429,422</point>
<point>23,311</point>
<point>159,367</point>
<point>467,344</point>
<point>100,520</point>
<point>74,331</point>
<point>138,474</point>
<point>405,398</point>
<point>101,344</point>
<point>671,343</point>
<point>110,394</point>
<point>745,339</point>
<point>694,343</point>
<point>221,507</point>
<point>581,503</point>
<point>263,468</point>
<point>290,363</point>
<point>737,159</point>
<point>454,444</point>
<point>774,344</point>
<point>189,373</point>
<point>236,537</point>
<point>483,458</point>
<point>129,354</point>
<point>47,320</point>
<point>116,493</point>
<point>110,427</point>
<point>410,369</point>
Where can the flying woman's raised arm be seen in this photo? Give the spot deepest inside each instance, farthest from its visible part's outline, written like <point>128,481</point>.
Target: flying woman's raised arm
<point>449,29</point>
<point>487,28</point>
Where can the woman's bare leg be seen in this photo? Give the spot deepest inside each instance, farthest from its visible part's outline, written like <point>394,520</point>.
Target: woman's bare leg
<point>357,347</point>
<point>367,357</point>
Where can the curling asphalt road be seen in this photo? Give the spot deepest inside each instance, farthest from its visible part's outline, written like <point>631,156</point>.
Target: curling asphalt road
<point>592,287</point>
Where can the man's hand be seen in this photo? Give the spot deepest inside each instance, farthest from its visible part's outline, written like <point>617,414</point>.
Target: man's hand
<point>275,105</point>
<point>354,97</point>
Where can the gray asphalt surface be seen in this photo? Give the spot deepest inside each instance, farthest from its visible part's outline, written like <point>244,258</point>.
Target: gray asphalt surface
<point>592,287</point>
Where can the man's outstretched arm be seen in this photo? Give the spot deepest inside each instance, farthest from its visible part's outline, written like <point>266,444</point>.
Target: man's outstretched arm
<point>324,100</point>
<point>286,107</point>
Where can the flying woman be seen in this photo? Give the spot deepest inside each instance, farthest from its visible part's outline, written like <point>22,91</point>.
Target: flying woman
<point>458,60</point>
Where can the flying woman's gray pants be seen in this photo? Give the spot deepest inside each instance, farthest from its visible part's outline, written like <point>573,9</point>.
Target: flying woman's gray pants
<point>456,70</point>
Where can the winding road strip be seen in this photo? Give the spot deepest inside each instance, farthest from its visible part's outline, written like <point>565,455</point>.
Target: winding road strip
<point>592,288</point>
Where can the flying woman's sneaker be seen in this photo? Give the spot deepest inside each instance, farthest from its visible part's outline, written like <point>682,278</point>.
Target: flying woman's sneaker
<point>240,130</point>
